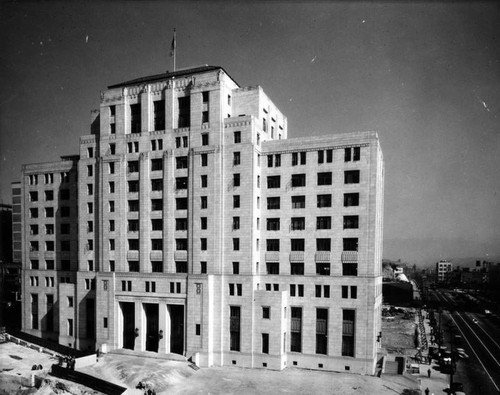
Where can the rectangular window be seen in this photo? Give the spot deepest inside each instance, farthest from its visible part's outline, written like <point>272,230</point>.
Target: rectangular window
<point>156,204</point>
<point>181,224</point>
<point>349,269</point>
<point>324,201</point>
<point>135,118</point>
<point>49,195</point>
<point>277,160</point>
<point>204,181</point>
<point>354,292</point>
<point>298,180</point>
<point>351,177</point>
<point>348,331</point>
<point>203,267</point>
<point>303,158</point>
<point>157,224</point>
<point>180,267</point>
<point>111,186</point>
<point>237,137</point>
<point>297,223</point>
<point>184,120</point>
<point>326,291</point>
<point>273,267</point>
<point>323,268</point>
<point>323,244</point>
<point>329,155</point>
<point>295,158</point>
<point>157,184</point>
<point>181,183</point>
<point>34,196</point>
<point>90,170</point>
<point>204,139</point>
<point>133,266</point>
<point>296,330</point>
<point>273,203</point>
<point>181,203</point>
<point>181,162</point>
<point>272,244</point>
<point>273,181</point>
<point>321,157</point>
<point>266,312</point>
<point>133,225</point>
<point>236,244</point>
<point>350,244</point>
<point>156,164</point>
<point>273,224</point>
<point>323,223</point>
<point>181,244</point>
<point>297,268</point>
<point>265,343</point>
<point>325,178</point>
<point>49,212</point>
<point>157,244</point>
<point>203,223</point>
<point>133,244</point>
<point>234,328</point>
<point>204,202</point>
<point>159,114</point>
<point>351,222</point>
<point>321,331</point>
<point>351,199</point>
<point>236,158</point>
<point>236,268</point>
<point>204,160</point>
<point>203,243</point>
<point>157,266</point>
<point>345,291</point>
<point>236,180</point>
<point>269,161</point>
<point>298,201</point>
<point>133,166</point>
<point>236,201</point>
<point>70,327</point>
<point>236,223</point>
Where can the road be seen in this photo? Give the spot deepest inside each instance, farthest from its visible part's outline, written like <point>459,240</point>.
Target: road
<point>480,340</point>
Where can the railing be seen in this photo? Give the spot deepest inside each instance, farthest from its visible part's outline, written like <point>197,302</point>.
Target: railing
<point>297,256</point>
<point>180,255</point>
<point>349,256</point>
<point>322,256</point>
<point>272,256</point>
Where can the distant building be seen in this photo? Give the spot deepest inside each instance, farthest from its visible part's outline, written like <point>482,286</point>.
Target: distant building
<point>190,224</point>
<point>442,270</point>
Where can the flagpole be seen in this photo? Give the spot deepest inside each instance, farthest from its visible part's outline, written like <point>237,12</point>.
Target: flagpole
<point>174,45</point>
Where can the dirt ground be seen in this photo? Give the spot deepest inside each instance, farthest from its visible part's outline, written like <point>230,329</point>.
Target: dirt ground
<point>398,334</point>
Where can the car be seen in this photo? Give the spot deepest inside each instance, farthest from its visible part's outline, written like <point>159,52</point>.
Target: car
<point>474,321</point>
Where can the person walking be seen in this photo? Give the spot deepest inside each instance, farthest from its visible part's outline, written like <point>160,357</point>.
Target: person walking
<point>429,373</point>
<point>427,391</point>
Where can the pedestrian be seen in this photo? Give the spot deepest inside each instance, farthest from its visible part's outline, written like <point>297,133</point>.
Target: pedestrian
<point>429,373</point>
<point>427,391</point>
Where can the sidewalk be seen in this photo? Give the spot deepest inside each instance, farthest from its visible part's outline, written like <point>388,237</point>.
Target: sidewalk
<point>438,381</point>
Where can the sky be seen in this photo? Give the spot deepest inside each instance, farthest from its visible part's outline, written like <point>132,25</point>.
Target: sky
<point>424,75</point>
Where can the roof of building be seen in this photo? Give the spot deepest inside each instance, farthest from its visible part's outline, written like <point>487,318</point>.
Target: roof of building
<point>170,74</point>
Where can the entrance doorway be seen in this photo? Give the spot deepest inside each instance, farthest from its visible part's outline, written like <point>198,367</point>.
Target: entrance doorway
<point>128,313</point>
<point>151,311</point>
<point>176,313</point>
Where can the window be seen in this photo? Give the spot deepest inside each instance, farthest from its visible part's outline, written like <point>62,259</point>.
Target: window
<point>34,264</point>
<point>111,225</point>
<point>296,330</point>
<point>351,222</point>
<point>204,202</point>
<point>349,269</point>
<point>65,265</point>
<point>323,222</point>
<point>204,116</point>
<point>70,327</point>
<point>159,114</point>
<point>181,224</point>
<point>266,312</point>
<point>111,167</point>
<point>236,201</point>
<point>273,203</point>
<point>157,244</point>
<point>181,244</point>
<point>90,265</point>
<point>204,160</point>
<point>185,141</point>
<point>329,155</point>
<point>272,245</point>
<point>295,158</point>
<point>236,180</point>
<point>323,244</point>
<point>273,224</point>
<point>135,118</point>
<point>34,246</point>
<point>112,149</point>
<point>354,292</point>
<point>181,183</point>
<point>49,178</point>
<point>298,201</point>
<point>325,178</point>
<point>269,161</point>
<point>157,224</point>
<point>345,291</point>
<point>297,244</point>
<point>49,264</point>
<point>133,205</point>
<point>273,267</point>
<point>303,158</point>
<point>351,199</point>
<point>203,267</point>
<point>236,244</point>
<point>49,212</point>
<point>297,268</point>
<point>265,343</point>
<point>181,203</point>
<point>298,180</point>
<point>65,211</point>
<point>321,157</point>
<point>204,139</point>
<point>236,158</point>
<point>90,170</point>
<point>181,162</point>
<point>156,164</point>
<point>298,223</point>
<point>150,286</point>
<point>180,267</point>
<point>203,223</point>
<point>236,268</point>
<point>234,328</point>
<point>321,331</point>
<point>34,230</point>
<point>49,195</point>
<point>126,285</point>
<point>324,201</point>
<point>133,244</point>
<point>133,166</point>
<point>356,154</point>
<point>90,226</point>
<point>236,223</point>
<point>277,160</point>
<point>273,182</point>
<point>33,179</point>
<point>323,268</point>
<point>133,146</point>
<point>70,301</point>
<point>351,177</point>
<point>105,322</point>
<point>33,213</point>
<point>348,330</point>
<point>350,244</point>
<point>111,187</point>
<point>237,137</point>
<point>90,152</point>
<point>133,266</point>
<point>203,243</point>
<point>157,266</point>
<point>157,184</point>
<point>204,181</point>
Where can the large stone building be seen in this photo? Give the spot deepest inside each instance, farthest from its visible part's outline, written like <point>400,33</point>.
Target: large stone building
<point>190,224</point>
<point>443,270</point>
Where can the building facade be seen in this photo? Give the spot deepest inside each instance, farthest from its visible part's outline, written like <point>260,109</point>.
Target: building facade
<point>443,269</point>
<point>198,228</point>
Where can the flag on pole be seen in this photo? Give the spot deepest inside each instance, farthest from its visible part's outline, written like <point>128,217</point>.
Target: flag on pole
<point>172,47</point>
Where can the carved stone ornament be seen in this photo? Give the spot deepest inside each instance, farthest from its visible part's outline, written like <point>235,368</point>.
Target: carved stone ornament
<point>199,288</point>
<point>105,284</point>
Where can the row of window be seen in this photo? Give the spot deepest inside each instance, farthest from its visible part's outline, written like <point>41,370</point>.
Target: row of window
<point>50,245</point>
<point>323,200</point>
<point>49,212</point>
<point>323,178</point>
<point>48,178</point>
<point>299,223</point>
<point>49,229</point>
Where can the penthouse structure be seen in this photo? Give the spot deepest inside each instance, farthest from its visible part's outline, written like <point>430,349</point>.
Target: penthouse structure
<point>194,226</point>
